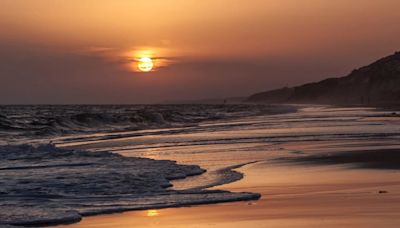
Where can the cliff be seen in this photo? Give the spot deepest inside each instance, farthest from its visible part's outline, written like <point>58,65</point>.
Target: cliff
<point>375,84</point>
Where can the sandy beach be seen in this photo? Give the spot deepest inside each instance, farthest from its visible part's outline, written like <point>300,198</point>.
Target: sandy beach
<point>292,196</point>
<point>331,168</point>
<point>320,166</point>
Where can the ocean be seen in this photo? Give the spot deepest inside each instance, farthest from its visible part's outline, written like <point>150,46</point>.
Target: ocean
<point>59,163</point>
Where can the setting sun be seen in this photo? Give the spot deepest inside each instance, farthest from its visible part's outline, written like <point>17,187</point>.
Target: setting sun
<point>145,64</point>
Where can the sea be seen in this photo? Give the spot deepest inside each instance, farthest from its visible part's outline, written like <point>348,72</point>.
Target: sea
<point>59,163</point>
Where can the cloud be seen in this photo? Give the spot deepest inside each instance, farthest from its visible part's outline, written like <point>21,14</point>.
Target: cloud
<point>98,49</point>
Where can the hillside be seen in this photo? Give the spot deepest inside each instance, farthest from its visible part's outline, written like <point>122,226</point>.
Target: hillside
<point>375,84</point>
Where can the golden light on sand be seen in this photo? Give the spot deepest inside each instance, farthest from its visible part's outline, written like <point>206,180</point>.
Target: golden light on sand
<point>145,64</point>
<point>152,213</point>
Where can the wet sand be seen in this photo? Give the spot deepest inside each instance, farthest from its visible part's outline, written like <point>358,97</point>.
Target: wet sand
<point>292,196</point>
<point>313,169</point>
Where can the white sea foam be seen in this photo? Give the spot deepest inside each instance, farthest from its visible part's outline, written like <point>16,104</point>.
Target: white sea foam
<point>47,185</point>
<point>44,122</point>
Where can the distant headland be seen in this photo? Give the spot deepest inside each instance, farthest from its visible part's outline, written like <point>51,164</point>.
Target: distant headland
<point>377,84</point>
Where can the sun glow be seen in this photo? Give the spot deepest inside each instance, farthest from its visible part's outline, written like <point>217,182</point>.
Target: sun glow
<point>147,59</point>
<point>152,213</point>
<point>145,64</point>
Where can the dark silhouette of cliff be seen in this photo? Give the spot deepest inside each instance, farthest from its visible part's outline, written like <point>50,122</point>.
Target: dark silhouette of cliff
<point>376,84</point>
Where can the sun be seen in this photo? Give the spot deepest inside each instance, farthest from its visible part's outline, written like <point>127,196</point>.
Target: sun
<point>145,64</point>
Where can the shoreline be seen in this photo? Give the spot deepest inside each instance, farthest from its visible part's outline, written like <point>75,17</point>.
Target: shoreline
<point>247,196</point>
<point>234,168</point>
<point>351,196</point>
<point>216,147</point>
<point>127,184</point>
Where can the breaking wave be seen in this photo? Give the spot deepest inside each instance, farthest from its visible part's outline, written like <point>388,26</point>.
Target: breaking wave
<point>41,121</point>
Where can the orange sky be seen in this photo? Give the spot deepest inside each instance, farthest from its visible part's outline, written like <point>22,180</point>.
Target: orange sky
<point>213,48</point>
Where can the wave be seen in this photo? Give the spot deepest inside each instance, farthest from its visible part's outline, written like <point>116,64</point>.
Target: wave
<point>43,121</point>
<point>44,185</point>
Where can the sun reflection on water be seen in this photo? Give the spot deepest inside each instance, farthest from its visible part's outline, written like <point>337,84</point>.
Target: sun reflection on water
<point>152,213</point>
